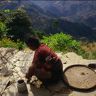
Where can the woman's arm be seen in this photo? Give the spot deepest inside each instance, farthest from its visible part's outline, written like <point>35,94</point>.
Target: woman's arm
<point>31,71</point>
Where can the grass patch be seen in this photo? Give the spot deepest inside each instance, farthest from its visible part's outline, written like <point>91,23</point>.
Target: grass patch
<point>8,43</point>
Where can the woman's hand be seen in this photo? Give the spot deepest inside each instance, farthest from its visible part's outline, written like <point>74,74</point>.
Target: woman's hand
<point>30,73</point>
<point>27,77</point>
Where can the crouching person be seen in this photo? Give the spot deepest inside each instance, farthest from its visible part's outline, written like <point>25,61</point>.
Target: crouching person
<point>46,65</point>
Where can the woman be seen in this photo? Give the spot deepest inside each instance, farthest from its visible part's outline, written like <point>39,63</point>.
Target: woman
<point>46,65</point>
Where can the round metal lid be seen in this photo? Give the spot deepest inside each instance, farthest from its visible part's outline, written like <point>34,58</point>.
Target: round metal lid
<point>80,77</point>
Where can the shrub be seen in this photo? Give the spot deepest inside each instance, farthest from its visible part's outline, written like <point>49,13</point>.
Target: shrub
<point>62,42</point>
<point>90,55</point>
<point>90,49</point>
<point>3,29</point>
<point>7,42</point>
<point>19,25</point>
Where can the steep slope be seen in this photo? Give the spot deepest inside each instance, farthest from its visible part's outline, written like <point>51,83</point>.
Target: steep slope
<point>68,8</point>
<point>77,30</point>
<point>27,5</point>
<point>76,11</point>
<point>43,15</point>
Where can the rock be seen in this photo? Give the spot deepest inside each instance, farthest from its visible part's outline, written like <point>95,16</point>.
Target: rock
<point>36,82</point>
<point>19,62</point>
<point>92,65</point>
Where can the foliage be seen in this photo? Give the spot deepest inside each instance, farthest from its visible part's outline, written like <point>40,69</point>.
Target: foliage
<point>90,49</point>
<point>90,55</point>
<point>19,25</point>
<point>62,42</point>
<point>38,33</point>
<point>7,42</point>
<point>3,29</point>
<point>16,25</point>
<point>7,11</point>
<point>2,17</point>
<point>94,55</point>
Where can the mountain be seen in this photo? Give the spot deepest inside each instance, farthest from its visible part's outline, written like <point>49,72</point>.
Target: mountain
<point>68,8</point>
<point>72,17</point>
<point>75,11</point>
<point>22,4</point>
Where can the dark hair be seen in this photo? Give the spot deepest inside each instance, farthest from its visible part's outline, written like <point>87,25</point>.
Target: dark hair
<point>33,41</point>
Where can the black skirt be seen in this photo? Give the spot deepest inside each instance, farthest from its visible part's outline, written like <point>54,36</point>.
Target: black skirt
<point>57,74</point>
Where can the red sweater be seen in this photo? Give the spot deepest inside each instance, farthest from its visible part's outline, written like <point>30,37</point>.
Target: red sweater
<point>41,54</point>
<point>39,60</point>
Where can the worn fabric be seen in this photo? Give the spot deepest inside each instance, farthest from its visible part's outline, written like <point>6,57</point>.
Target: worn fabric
<point>57,74</point>
<point>41,54</point>
<point>46,59</point>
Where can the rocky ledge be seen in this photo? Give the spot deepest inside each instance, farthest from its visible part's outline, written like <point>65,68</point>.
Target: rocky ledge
<point>14,64</point>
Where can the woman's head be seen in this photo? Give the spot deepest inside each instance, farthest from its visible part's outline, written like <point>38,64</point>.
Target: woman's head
<point>33,43</point>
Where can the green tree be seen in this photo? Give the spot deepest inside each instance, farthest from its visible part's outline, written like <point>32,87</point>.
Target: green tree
<point>3,29</point>
<point>19,25</point>
<point>38,33</point>
<point>2,17</point>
